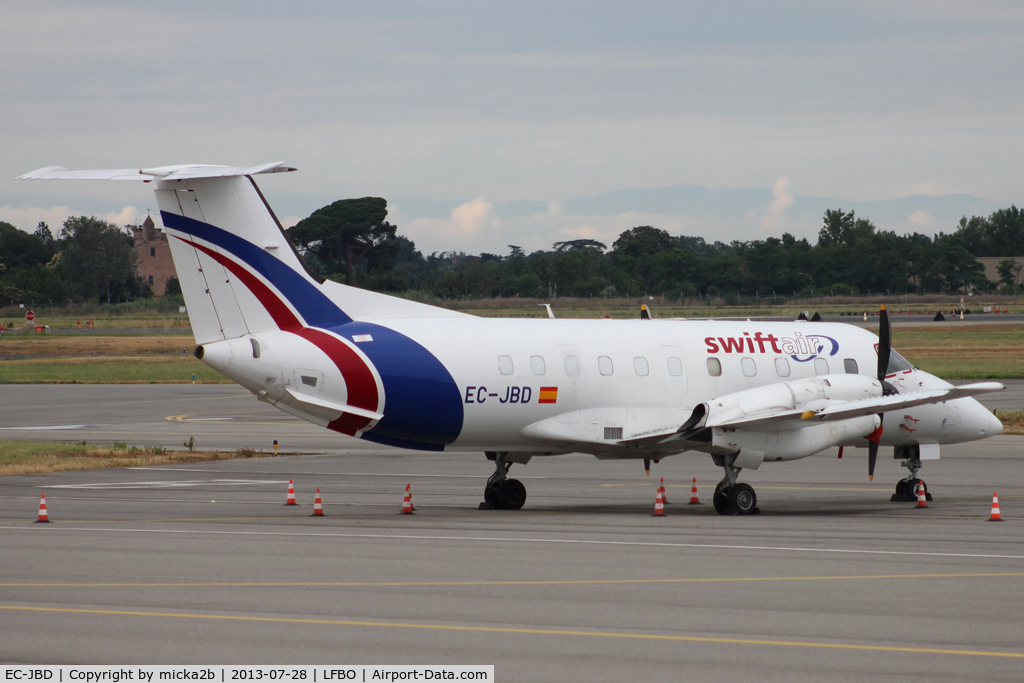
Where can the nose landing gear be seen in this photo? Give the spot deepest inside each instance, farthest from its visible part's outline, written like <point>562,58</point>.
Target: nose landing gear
<point>502,493</point>
<point>907,489</point>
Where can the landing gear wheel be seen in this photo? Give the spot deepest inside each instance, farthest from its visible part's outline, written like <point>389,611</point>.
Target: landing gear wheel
<point>491,495</point>
<point>511,495</point>
<point>914,485</point>
<point>901,487</point>
<point>721,501</point>
<point>742,499</point>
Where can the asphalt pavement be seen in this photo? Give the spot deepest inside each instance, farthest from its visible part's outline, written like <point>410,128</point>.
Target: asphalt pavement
<point>204,564</point>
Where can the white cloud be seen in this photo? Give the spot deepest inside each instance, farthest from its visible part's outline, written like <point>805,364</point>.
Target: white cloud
<point>471,218</point>
<point>28,219</point>
<point>54,216</point>
<point>773,217</point>
<point>920,218</point>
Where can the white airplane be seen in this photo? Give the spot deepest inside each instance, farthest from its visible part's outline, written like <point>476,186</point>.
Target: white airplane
<point>406,374</point>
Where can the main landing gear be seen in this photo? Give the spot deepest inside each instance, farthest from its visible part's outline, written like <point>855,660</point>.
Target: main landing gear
<point>732,498</point>
<point>907,489</point>
<point>502,493</point>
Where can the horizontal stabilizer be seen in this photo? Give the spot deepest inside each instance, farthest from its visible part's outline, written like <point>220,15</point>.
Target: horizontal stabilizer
<point>867,406</point>
<point>182,172</point>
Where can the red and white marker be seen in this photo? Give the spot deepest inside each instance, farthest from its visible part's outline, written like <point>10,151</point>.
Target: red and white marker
<point>44,518</point>
<point>291,494</point>
<point>659,506</point>
<point>694,500</point>
<point>407,502</point>
<point>995,516</point>
<point>318,509</point>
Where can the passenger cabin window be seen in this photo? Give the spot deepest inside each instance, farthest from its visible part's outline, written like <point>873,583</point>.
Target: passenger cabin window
<point>572,366</point>
<point>505,365</point>
<point>641,366</point>
<point>537,364</point>
<point>604,364</point>
<point>820,366</point>
<point>782,367</point>
<point>675,366</point>
<point>749,367</point>
<point>714,367</point>
<point>851,366</point>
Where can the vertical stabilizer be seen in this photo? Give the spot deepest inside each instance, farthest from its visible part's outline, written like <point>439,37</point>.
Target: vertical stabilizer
<point>238,272</point>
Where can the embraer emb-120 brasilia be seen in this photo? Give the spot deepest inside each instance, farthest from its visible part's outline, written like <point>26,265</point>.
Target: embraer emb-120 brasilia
<point>406,374</point>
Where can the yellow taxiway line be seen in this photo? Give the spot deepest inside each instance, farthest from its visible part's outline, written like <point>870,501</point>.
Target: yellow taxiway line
<point>525,631</point>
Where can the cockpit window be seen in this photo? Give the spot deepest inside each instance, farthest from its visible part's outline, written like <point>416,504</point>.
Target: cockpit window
<point>897,363</point>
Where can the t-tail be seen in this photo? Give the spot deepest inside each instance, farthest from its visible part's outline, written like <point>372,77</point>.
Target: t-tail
<point>320,350</point>
<point>239,273</point>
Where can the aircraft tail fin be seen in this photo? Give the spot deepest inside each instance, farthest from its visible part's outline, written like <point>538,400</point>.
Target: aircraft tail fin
<point>238,271</point>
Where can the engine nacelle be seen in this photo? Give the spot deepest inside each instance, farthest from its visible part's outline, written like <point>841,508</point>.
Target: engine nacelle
<point>762,444</point>
<point>786,440</point>
<point>811,393</point>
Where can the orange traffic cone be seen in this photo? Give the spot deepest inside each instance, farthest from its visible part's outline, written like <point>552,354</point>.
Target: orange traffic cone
<point>43,517</point>
<point>994,517</point>
<point>659,506</point>
<point>922,497</point>
<point>291,494</point>
<point>664,497</point>
<point>408,489</point>
<point>407,503</point>
<point>318,509</point>
<point>694,500</point>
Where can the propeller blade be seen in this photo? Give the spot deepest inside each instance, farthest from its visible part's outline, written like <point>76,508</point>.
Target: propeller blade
<point>872,457</point>
<point>873,439</point>
<point>884,343</point>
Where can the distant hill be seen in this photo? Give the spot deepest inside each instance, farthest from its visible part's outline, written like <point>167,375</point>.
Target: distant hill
<point>696,201</point>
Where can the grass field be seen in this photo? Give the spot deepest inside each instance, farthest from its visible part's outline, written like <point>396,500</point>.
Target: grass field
<point>30,457</point>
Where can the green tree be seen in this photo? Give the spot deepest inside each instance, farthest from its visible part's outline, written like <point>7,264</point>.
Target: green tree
<point>343,235</point>
<point>99,259</point>
<point>1009,272</point>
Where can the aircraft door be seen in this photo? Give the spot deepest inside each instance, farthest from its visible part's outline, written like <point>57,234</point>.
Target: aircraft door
<point>674,371</point>
<point>570,374</point>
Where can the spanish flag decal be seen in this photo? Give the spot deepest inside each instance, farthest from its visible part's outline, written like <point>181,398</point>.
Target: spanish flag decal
<point>548,395</point>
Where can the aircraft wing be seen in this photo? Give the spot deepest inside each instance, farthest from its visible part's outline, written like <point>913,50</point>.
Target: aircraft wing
<point>182,172</point>
<point>867,406</point>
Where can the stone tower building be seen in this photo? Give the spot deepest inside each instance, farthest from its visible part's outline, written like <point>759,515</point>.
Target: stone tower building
<point>154,256</point>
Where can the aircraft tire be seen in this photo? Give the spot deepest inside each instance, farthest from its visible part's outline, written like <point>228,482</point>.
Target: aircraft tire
<point>720,500</point>
<point>742,499</point>
<point>511,494</point>
<point>491,495</point>
<point>901,487</point>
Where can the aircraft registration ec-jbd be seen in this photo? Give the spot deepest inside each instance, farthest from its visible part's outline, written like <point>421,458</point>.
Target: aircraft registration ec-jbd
<point>407,374</point>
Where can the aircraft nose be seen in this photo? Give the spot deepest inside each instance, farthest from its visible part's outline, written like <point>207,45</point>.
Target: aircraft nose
<point>980,422</point>
<point>994,425</point>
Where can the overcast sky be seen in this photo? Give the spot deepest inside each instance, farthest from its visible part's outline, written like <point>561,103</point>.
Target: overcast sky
<point>482,103</point>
